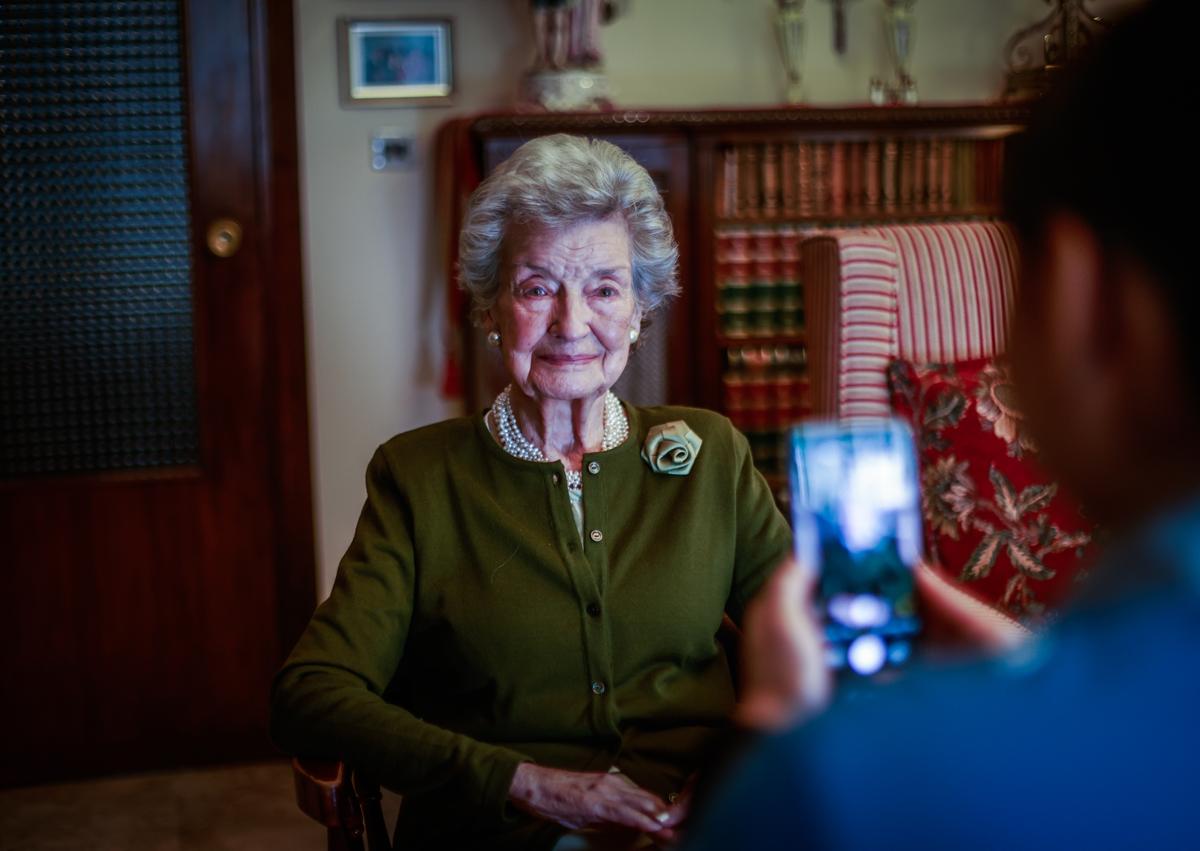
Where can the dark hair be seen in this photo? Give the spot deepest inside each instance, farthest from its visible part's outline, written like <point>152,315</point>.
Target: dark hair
<point>1108,145</point>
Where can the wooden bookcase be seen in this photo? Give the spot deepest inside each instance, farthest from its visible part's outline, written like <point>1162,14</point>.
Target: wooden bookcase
<point>743,187</point>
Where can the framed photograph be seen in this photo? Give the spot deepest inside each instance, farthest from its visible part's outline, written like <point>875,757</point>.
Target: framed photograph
<point>396,62</point>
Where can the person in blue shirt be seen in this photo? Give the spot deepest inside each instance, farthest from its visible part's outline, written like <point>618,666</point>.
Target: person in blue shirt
<point>1088,735</point>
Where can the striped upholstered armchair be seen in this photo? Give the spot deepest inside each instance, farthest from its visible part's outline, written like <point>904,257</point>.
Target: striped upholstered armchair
<point>925,293</point>
<point>912,318</point>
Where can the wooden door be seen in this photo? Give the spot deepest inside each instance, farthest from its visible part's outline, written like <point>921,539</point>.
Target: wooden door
<point>155,507</point>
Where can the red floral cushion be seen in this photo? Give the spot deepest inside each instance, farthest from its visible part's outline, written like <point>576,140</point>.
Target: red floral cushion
<point>993,518</point>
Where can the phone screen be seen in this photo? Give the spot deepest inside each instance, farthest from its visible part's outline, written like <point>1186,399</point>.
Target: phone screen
<point>856,516</point>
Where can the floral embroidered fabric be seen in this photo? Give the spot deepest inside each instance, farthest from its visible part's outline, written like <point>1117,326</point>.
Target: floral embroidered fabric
<point>993,518</point>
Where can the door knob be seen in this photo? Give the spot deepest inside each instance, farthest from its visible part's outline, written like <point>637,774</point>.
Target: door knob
<point>224,237</point>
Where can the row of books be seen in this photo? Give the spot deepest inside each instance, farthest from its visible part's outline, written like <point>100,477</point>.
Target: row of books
<point>758,281</point>
<point>781,398</point>
<point>748,246</point>
<point>845,178</point>
<point>758,378</point>
<point>766,391</point>
<point>760,310</point>
<point>751,361</point>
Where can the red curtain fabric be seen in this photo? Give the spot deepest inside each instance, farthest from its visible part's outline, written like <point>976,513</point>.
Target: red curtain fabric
<point>457,175</point>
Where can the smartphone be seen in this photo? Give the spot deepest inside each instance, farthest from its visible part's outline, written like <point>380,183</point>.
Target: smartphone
<point>856,517</point>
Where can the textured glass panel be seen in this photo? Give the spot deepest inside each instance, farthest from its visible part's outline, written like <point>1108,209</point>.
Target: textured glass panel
<point>95,268</point>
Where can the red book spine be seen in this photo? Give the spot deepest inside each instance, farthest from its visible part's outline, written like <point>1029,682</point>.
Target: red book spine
<point>821,191</point>
<point>968,196</point>
<point>770,180</point>
<point>721,188</point>
<point>983,175</point>
<point>739,152</point>
<point>872,173</point>
<point>787,179</point>
<point>891,156</point>
<point>753,180</point>
<point>907,175</point>
<point>729,164</point>
<point>855,199</point>
<point>837,174</point>
<point>804,173</point>
<point>934,173</point>
<point>948,149</point>
<point>920,178</point>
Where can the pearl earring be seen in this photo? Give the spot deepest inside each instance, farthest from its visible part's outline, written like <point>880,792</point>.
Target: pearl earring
<point>633,335</point>
<point>493,339</point>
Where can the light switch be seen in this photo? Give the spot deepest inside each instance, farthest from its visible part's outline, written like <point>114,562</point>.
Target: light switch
<point>392,150</point>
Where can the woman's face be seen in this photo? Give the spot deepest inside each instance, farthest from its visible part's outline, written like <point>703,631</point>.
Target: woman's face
<point>565,308</point>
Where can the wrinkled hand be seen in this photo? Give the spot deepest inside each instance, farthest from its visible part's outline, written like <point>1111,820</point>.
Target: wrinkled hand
<point>578,799</point>
<point>785,678</point>
<point>677,814</point>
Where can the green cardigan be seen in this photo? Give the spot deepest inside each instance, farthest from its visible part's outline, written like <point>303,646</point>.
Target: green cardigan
<point>469,628</point>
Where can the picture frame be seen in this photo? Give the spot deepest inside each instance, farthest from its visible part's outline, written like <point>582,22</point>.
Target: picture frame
<point>396,61</point>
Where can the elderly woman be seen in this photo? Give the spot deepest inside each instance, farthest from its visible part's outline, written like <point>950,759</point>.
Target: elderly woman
<point>522,636</point>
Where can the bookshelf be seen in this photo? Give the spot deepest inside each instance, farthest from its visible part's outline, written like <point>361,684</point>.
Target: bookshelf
<point>744,188</point>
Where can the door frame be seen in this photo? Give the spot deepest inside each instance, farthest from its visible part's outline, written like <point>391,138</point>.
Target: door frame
<point>272,28</point>
<point>273,229</point>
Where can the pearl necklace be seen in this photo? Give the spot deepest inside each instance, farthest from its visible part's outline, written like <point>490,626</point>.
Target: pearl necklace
<point>515,443</point>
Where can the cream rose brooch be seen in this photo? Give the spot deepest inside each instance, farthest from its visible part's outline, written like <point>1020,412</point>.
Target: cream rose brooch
<point>671,448</point>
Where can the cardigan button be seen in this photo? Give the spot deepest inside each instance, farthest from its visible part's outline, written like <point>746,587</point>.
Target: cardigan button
<point>594,467</point>
<point>594,610</point>
<point>598,687</point>
<point>596,535</point>
<point>554,478</point>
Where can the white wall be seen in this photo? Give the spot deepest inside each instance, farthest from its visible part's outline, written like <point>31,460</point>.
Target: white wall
<point>373,317</point>
<point>374,313</point>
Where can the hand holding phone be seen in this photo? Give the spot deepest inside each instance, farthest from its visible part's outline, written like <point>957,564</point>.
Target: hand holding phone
<point>784,675</point>
<point>856,517</point>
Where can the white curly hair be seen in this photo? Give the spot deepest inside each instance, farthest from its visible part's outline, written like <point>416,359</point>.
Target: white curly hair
<point>560,180</point>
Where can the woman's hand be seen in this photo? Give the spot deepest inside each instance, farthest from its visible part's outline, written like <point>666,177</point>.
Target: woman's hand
<point>677,814</point>
<point>784,675</point>
<point>578,799</point>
